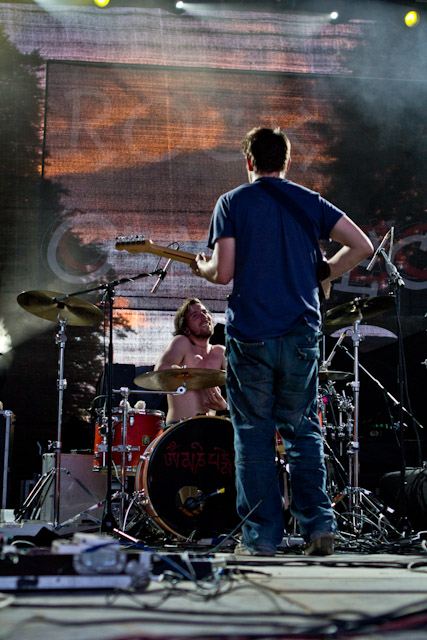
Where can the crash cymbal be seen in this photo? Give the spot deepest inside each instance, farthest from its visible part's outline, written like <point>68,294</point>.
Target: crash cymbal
<point>76,311</point>
<point>171,379</point>
<point>331,376</point>
<point>349,312</point>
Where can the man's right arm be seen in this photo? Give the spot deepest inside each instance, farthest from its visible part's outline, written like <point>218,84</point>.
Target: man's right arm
<point>173,356</point>
<point>218,269</point>
<point>356,247</point>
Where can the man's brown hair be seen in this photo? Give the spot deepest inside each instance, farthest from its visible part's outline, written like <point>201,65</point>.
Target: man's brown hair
<point>267,149</point>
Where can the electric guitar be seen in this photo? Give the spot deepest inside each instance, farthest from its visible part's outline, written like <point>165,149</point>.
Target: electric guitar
<point>139,244</point>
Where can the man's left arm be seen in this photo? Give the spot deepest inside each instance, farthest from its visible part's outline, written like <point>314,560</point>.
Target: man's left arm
<point>218,269</point>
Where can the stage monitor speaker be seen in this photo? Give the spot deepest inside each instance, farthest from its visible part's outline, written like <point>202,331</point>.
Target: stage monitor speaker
<point>80,489</point>
<point>415,495</point>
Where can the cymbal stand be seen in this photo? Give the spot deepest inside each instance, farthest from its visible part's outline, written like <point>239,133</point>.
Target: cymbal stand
<point>109,523</point>
<point>123,456</point>
<point>60,339</point>
<point>354,494</point>
<point>357,496</point>
<point>353,445</point>
<point>352,490</point>
<point>45,480</point>
<point>123,448</point>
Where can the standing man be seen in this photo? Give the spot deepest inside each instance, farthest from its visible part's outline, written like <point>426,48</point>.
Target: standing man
<point>191,348</point>
<point>272,325</point>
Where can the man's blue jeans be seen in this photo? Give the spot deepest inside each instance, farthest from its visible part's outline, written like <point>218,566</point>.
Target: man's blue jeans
<point>273,384</point>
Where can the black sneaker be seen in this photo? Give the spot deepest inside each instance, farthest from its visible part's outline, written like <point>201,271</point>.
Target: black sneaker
<point>241,550</point>
<point>321,546</point>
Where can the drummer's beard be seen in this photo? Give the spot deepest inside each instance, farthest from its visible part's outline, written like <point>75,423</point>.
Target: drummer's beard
<point>205,332</point>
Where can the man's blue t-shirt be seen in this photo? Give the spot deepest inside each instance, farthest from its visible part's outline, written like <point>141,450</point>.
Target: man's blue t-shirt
<point>275,287</point>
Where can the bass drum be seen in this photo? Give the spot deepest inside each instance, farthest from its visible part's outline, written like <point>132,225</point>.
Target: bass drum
<point>185,479</point>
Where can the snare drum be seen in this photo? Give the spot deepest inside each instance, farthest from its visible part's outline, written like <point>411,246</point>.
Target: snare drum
<point>185,479</point>
<point>142,427</point>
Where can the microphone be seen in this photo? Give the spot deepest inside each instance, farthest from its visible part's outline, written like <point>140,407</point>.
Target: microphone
<point>162,276</point>
<point>192,500</point>
<point>379,249</point>
<point>195,505</point>
<point>390,249</point>
<point>325,365</point>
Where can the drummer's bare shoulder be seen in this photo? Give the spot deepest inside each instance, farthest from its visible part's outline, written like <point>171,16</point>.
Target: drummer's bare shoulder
<point>218,350</point>
<point>174,354</point>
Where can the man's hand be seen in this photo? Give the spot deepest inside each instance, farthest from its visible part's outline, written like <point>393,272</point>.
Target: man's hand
<point>326,286</point>
<point>219,268</point>
<point>195,264</point>
<point>214,400</point>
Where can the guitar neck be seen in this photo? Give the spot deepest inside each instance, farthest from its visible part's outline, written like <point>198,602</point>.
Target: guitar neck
<point>138,244</point>
<point>173,254</point>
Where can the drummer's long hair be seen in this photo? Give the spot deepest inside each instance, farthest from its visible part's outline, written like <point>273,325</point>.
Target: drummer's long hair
<point>180,321</point>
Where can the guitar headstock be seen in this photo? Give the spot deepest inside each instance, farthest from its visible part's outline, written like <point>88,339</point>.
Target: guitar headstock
<point>133,244</point>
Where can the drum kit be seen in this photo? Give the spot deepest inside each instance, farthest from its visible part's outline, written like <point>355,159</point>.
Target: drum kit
<point>184,474</point>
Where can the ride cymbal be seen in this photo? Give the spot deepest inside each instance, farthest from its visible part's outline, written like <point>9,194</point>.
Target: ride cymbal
<point>348,312</point>
<point>171,379</point>
<point>75,311</point>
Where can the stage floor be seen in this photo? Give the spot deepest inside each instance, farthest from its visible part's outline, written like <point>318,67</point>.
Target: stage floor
<point>198,593</point>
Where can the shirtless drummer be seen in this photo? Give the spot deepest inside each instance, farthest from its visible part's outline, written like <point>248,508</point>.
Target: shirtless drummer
<point>191,348</point>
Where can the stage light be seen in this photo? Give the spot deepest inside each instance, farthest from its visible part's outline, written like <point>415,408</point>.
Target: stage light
<point>334,16</point>
<point>101,3</point>
<point>412,18</point>
<point>179,4</point>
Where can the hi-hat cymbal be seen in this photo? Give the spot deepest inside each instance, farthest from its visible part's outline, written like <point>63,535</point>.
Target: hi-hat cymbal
<point>171,379</point>
<point>331,376</point>
<point>76,311</point>
<point>349,312</point>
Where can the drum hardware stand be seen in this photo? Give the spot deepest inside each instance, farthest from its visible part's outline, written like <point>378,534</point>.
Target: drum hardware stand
<point>356,496</point>
<point>353,445</point>
<point>108,523</point>
<point>54,473</point>
<point>342,431</point>
<point>363,496</point>
<point>123,448</point>
<point>397,280</point>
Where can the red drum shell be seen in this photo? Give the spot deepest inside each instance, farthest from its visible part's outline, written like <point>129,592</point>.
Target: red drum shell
<point>142,427</point>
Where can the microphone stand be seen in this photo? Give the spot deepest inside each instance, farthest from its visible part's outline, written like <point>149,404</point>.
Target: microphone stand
<point>109,523</point>
<point>395,402</point>
<point>396,282</point>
